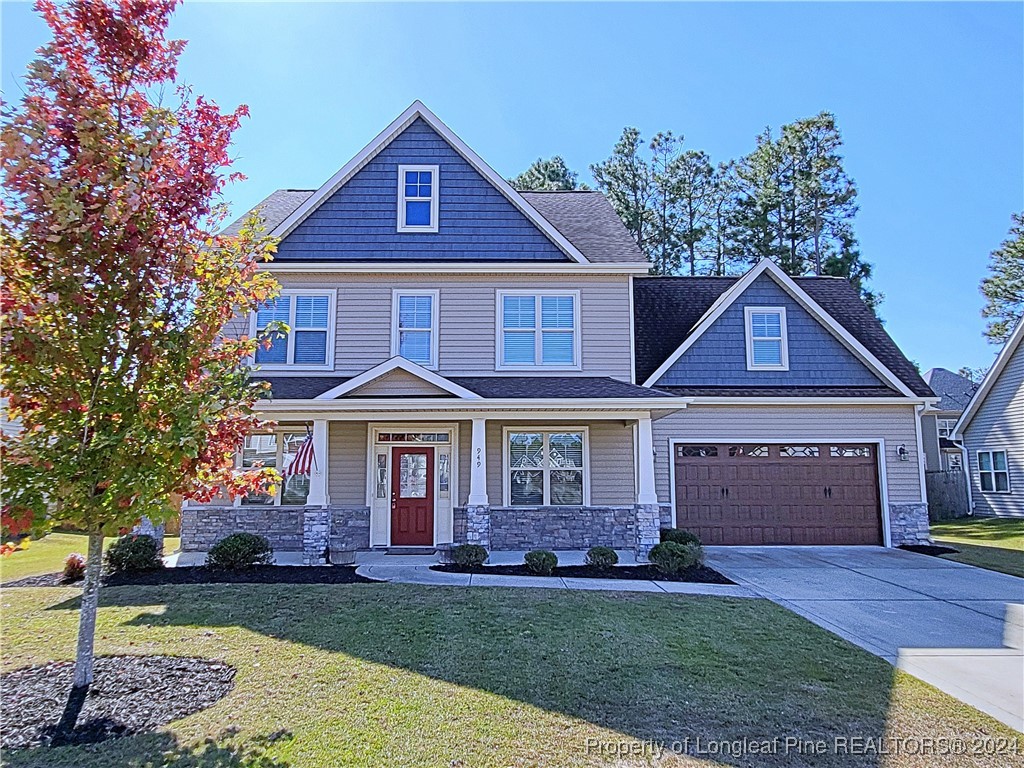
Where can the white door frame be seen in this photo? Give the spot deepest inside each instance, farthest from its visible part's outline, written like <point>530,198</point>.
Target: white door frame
<point>373,428</point>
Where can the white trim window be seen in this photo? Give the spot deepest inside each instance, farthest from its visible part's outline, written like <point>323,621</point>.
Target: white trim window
<point>945,427</point>
<point>538,329</point>
<point>767,346</point>
<point>277,450</point>
<point>414,326</point>
<point>309,342</point>
<point>993,472</point>
<point>546,467</point>
<point>418,194</point>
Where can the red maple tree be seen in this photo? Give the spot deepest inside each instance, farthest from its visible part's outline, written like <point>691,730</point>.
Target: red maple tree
<point>117,289</point>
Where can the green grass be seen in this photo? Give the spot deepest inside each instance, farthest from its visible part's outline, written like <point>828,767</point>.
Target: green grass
<point>47,554</point>
<point>995,543</point>
<point>400,675</point>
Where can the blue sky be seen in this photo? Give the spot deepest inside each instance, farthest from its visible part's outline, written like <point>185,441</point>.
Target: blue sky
<point>929,98</point>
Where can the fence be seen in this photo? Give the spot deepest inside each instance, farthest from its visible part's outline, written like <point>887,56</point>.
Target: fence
<point>947,494</point>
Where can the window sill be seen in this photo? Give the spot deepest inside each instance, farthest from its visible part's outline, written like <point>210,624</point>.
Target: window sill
<point>283,367</point>
<point>413,230</point>
<point>767,367</point>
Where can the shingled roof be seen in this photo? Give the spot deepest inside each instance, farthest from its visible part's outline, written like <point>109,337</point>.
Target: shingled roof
<point>587,220</point>
<point>274,208</point>
<point>491,387</point>
<point>666,309</point>
<point>955,390</point>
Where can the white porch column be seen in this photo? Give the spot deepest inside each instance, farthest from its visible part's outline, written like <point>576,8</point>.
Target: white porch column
<point>478,465</point>
<point>318,475</point>
<point>645,493</point>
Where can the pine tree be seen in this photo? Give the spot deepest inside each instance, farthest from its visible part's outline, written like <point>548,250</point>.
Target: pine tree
<point>625,179</point>
<point>551,174</point>
<point>697,190</point>
<point>1004,287</point>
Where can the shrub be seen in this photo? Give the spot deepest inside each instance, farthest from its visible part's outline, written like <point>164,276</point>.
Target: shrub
<point>74,567</point>
<point>240,550</point>
<point>671,558</point>
<point>601,558</point>
<point>134,553</point>
<point>541,562</point>
<point>679,536</point>
<point>468,555</point>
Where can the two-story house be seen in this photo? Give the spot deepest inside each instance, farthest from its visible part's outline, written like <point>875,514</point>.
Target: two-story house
<point>477,364</point>
<point>954,392</point>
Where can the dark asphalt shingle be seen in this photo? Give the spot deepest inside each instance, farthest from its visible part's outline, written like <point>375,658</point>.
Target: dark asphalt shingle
<point>955,390</point>
<point>588,221</point>
<point>781,391</point>
<point>491,387</point>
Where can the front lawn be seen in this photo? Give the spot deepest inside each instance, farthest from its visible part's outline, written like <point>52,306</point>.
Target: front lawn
<point>400,675</point>
<point>46,555</point>
<point>995,543</point>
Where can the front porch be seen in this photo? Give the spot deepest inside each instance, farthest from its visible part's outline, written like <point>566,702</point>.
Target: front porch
<point>508,481</point>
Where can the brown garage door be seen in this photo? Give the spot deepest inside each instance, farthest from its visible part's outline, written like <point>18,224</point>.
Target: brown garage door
<point>756,493</point>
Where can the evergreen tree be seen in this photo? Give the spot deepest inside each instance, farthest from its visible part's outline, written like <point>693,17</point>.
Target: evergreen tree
<point>697,194</point>
<point>625,179</point>
<point>666,226</point>
<point>551,174</point>
<point>1004,287</point>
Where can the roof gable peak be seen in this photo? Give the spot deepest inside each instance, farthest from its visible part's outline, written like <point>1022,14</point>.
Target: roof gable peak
<point>419,111</point>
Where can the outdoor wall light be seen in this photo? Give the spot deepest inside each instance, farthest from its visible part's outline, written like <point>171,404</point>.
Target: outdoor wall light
<point>903,453</point>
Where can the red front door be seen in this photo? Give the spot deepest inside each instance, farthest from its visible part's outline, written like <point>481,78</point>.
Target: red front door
<point>412,497</point>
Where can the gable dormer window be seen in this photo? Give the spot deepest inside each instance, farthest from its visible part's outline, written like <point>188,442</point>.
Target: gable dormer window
<point>767,346</point>
<point>417,198</point>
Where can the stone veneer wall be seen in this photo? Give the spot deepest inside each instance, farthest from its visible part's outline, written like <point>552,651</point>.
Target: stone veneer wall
<point>559,527</point>
<point>202,527</point>
<point>309,530</point>
<point>908,523</point>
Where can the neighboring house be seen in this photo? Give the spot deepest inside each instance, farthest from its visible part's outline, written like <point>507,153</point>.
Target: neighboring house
<point>954,392</point>
<point>475,364</point>
<point>991,431</point>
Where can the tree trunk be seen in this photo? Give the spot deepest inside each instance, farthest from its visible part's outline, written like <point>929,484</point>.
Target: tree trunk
<point>87,617</point>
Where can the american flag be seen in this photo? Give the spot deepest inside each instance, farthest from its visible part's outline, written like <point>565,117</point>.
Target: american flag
<point>304,459</point>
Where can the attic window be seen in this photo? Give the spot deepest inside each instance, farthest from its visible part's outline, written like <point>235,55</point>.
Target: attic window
<point>767,347</point>
<point>417,198</point>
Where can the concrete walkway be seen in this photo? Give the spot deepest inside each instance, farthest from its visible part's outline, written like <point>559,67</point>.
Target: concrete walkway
<point>415,569</point>
<point>941,621</point>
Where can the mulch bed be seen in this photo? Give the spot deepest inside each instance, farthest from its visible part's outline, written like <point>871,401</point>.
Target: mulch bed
<point>698,574</point>
<point>260,574</point>
<point>131,694</point>
<point>929,549</point>
<point>46,580</point>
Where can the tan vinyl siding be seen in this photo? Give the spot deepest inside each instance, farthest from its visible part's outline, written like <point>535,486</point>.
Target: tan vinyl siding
<point>467,319</point>
<point>399,384</point>
<point>610,452</point>
<point>998,425</point>
<point>346,448</point>
<point>895,424</point>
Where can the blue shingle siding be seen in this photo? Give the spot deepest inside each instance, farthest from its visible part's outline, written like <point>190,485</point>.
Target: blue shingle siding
<point>475,221</point>
<point>816,357</point>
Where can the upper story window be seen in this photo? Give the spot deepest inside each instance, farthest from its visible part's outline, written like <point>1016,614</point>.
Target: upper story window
<point>946,427</point>
<point>309,315</point>
<point>538,328</point>
<point>414,326</point>
<point>993,472</point>
<point>767,347</point>
<point>417,198</point>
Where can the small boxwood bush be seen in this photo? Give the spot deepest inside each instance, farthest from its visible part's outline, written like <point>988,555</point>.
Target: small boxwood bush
<point>671,558</point>
<point>74,567</point>
<point>240,550</point>
<point>468,555</point>
<point>541,562</point>
<point>601,558</point>
<point>679,536</point>
<point>134,553</point>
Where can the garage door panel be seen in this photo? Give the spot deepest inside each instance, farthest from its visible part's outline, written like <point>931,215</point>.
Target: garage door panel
<point>807,493</point>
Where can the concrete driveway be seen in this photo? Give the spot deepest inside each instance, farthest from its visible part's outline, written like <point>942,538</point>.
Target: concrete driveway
<point>943,622</point>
